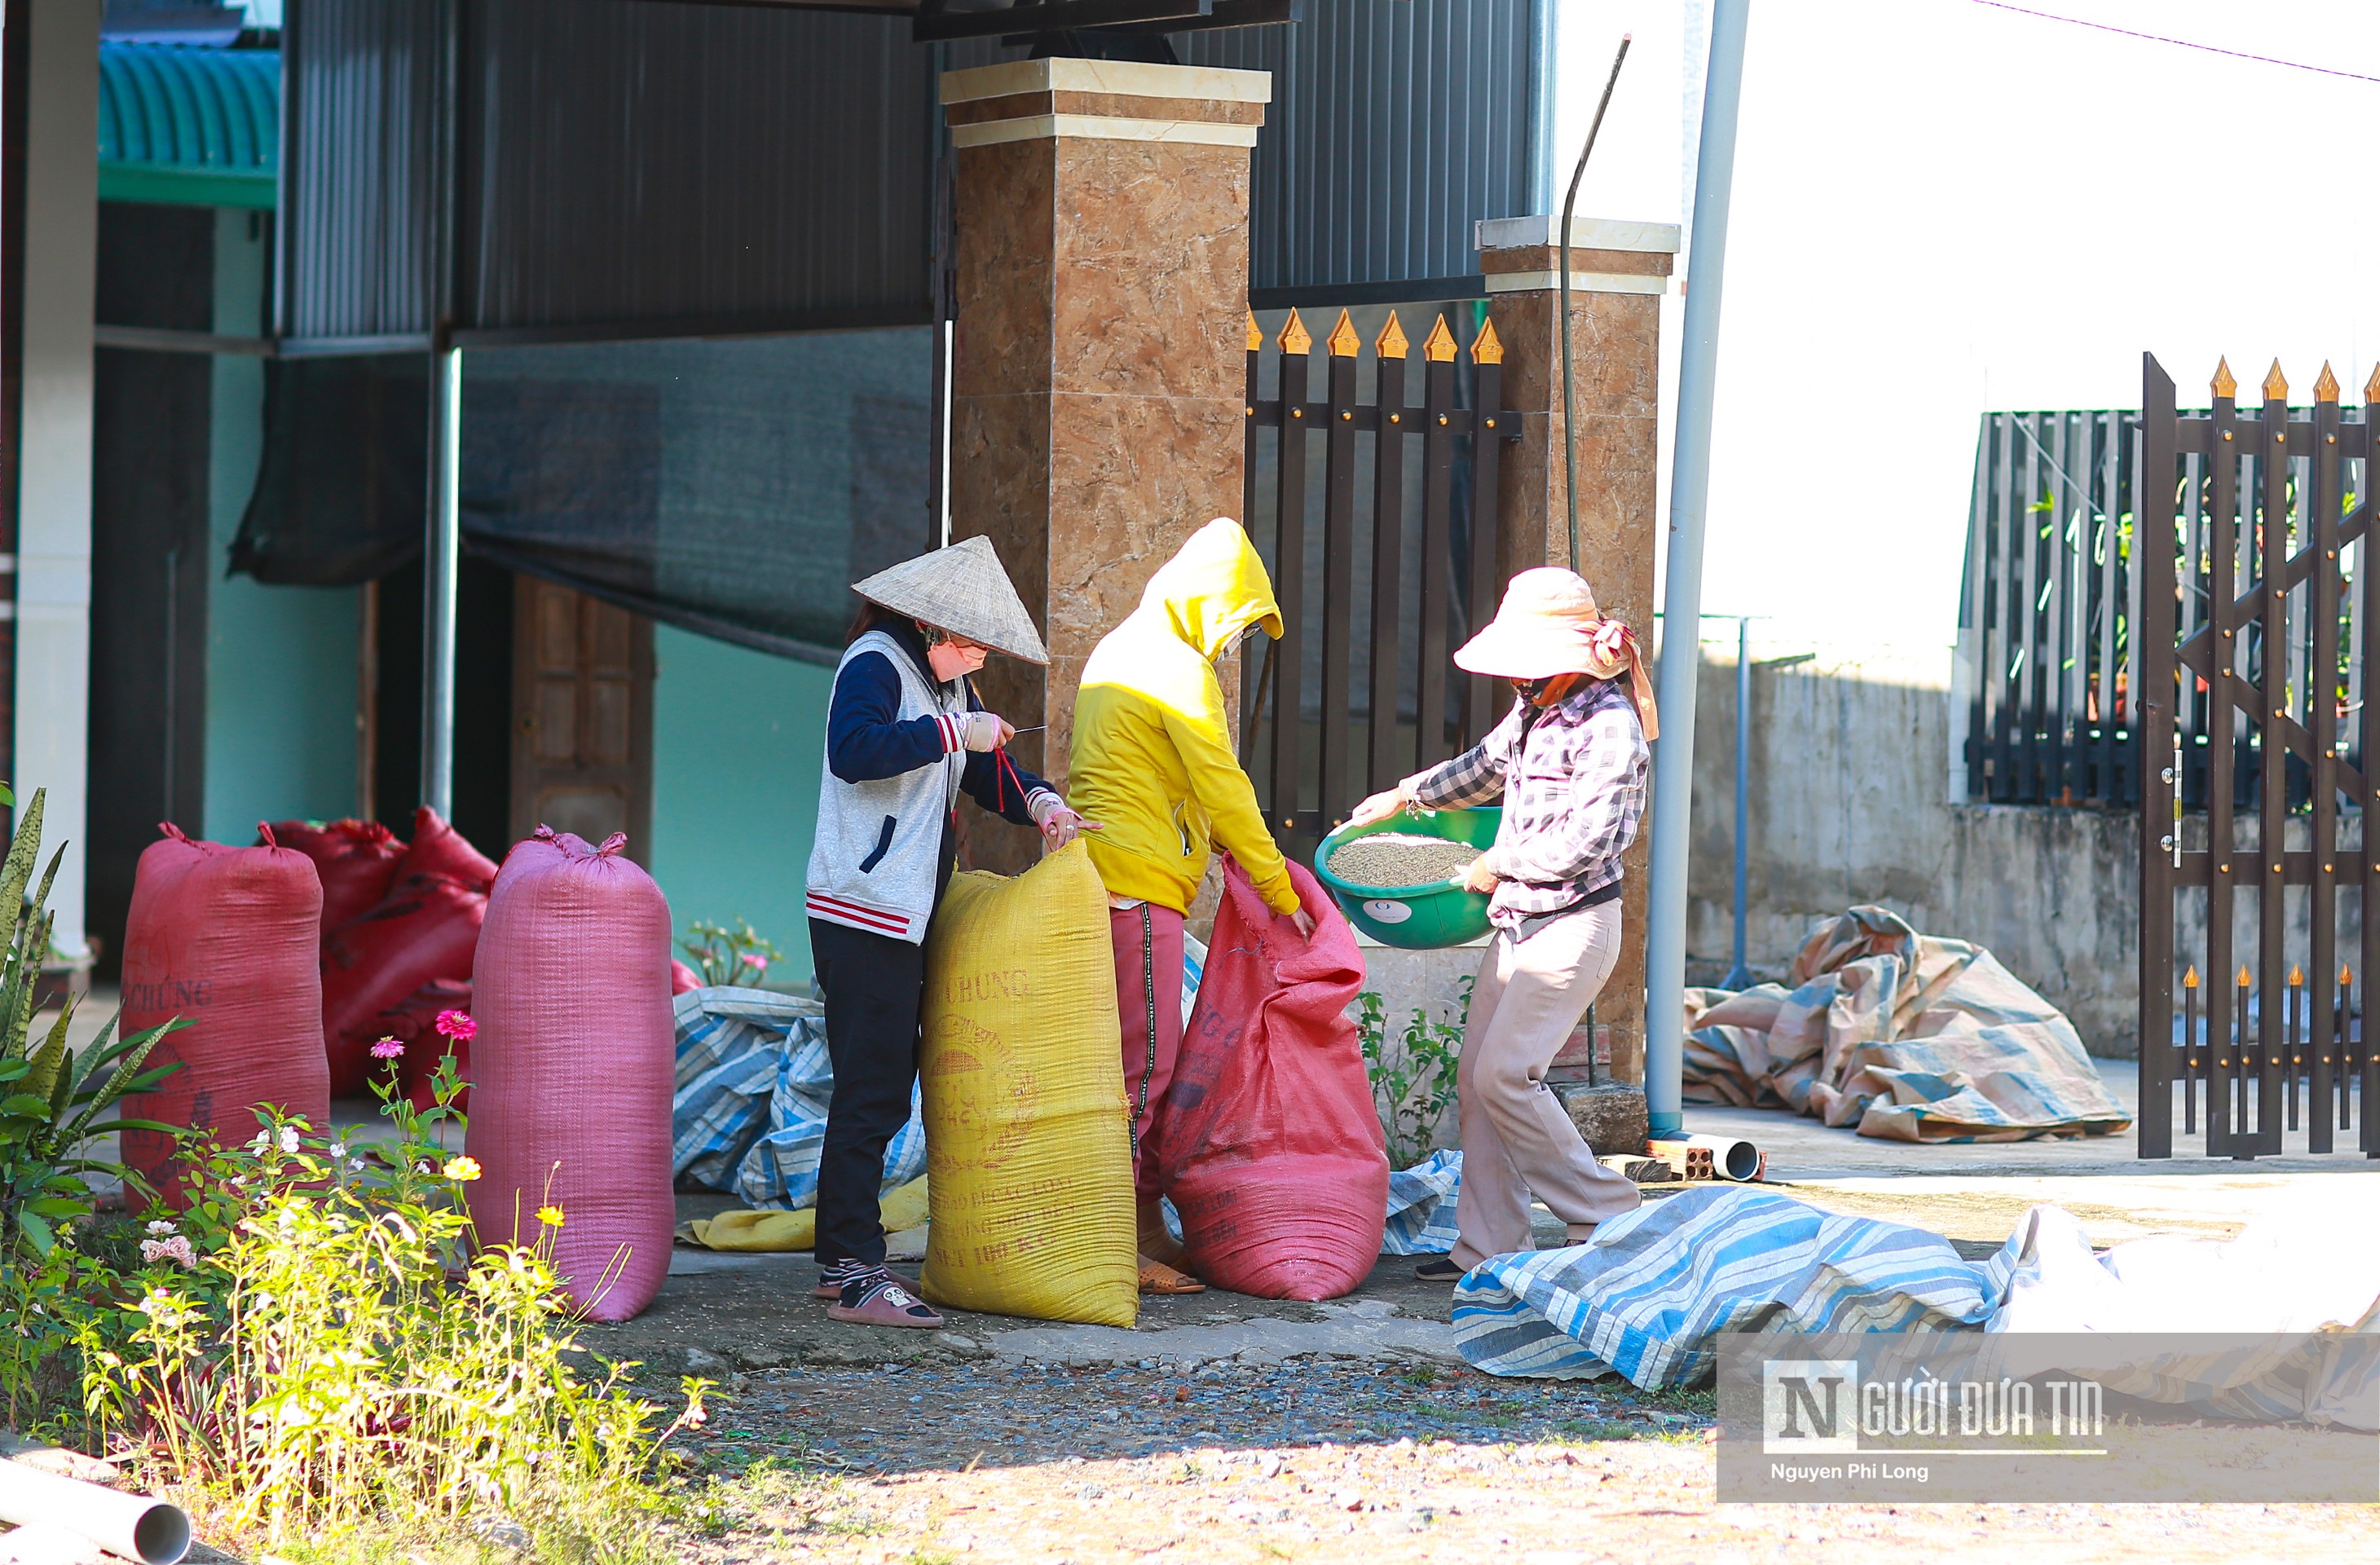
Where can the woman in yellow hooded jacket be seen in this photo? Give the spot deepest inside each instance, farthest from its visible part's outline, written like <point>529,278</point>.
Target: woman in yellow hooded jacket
<point>1153,760</point>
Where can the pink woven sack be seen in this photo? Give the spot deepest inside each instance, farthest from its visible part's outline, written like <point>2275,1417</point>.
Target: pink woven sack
<point>226,938</point>
<point>574,1067</point>
<point>1269,1146</point>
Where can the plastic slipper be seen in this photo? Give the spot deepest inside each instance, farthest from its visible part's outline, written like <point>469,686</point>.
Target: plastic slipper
<point>1156,1277</point>
<point>1440,1269</point>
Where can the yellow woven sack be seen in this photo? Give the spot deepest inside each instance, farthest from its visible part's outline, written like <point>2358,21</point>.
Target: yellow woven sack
<point>1029,1153</point>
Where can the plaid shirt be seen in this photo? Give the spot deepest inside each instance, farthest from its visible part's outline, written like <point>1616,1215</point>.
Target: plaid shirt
<point>1572,810</point>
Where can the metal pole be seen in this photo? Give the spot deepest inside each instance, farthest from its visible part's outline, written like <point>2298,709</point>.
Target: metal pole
<point>439,563</point>
<point>1561,260</point>
<point>1665,956</point>
<point>1739,975</point>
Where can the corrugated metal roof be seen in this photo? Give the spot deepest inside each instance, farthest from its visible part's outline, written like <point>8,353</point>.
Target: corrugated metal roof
<point>642,166</point>
<point>189,126</point>
<point>1393,129</point>
<point>356,239</point>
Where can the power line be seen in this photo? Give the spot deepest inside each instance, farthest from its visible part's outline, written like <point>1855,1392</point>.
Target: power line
<point>2176,42</point>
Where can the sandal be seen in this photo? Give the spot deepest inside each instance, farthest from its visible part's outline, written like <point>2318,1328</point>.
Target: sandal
<point>1441,1268</point>
<point>875,1297</point>
<point>832,1277</point>
<point>1156,1277</point>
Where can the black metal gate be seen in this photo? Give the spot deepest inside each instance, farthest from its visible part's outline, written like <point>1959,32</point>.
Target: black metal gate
<point>2252,669</point>
<point>1360,690</point>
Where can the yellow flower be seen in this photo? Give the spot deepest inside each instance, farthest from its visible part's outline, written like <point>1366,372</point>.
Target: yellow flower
<point>550,1216</point>
<point>464,1168</point>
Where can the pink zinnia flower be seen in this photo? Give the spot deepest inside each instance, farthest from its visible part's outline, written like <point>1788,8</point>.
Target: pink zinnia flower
<point>754,959</point>
<point>387,1049</point>
<point>458,1026</point>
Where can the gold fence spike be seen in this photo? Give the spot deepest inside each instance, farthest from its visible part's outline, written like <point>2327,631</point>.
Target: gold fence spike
<point>2297,975</point>
<point>1294,336</point>
<point>2277,385</point>
<point>1391,343</point>
<point>1342,342</point>
<point>1486,348</point>
<point>1438,348</point>
<point>2244,979</point>
<point>1255,334</point>
<point>2371,387</point>
<point>2326,385</point>
<point>2345,975</point>
<point>2223,384</point>
<point>2190,978</point>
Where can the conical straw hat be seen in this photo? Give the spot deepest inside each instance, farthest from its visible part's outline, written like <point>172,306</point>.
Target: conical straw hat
<point>960,589</point>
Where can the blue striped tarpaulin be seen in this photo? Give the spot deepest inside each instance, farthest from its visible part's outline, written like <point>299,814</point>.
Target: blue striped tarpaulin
<point>1421,1206</point>
<point>753,1080</point>
<point>1649,1294</point>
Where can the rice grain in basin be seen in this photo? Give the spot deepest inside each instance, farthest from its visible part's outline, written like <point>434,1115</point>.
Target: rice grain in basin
<point>1395,859</point>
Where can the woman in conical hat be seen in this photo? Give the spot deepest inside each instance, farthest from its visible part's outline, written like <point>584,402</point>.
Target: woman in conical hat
<point>1571,762</point>
<point>906,735</point>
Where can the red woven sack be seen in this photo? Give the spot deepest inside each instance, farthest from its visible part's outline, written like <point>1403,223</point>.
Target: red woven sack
<point>226,938</point>
<point>1269,1146</point>
<point>356,859</point>
<point>438,849</point>
<point>575,1062</point>
<point>423,931</point>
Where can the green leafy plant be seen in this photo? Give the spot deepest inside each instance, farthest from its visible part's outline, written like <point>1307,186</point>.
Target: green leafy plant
<point>52,1097</point>
<point>1413,1083</point>
<point>341,1358</point>
<point>740,955</point>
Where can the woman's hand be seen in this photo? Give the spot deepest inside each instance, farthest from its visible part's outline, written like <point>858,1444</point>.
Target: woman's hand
<point>1478,876</point>
<point>985,731</point>
<point>1059,823</point>
<point>1304,922</point>
<point>1380,807</point>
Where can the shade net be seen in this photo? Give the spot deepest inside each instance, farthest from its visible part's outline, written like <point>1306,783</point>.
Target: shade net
<point>734,489</point>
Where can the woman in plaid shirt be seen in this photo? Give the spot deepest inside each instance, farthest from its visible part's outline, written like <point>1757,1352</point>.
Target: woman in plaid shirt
<point>1571,762</point>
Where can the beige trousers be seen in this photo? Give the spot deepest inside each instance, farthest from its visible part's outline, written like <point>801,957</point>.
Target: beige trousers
<point>1516,1137</point>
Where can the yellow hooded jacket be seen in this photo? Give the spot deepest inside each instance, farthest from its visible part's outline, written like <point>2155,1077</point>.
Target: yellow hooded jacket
<point>1153,760</point>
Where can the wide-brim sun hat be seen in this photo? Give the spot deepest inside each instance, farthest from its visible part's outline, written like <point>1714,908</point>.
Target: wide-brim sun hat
<point>1548,624</point>
<point>964,591</point>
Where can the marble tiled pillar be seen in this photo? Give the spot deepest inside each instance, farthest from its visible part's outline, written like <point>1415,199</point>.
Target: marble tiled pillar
<point>1619,272</point>
<point>1101,210</point>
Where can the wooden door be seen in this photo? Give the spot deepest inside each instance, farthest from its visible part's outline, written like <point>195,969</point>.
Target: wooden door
<point>582,716</point>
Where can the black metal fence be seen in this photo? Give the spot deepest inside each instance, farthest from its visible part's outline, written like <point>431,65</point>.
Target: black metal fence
<point>1381,558</point>
<point>2046,616</point>
<point>2250,667</point>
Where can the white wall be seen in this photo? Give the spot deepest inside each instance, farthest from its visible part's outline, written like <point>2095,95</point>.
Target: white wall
<point>53,603</point>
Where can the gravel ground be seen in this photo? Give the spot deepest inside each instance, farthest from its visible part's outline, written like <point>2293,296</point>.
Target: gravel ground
<point>1329,1462</point>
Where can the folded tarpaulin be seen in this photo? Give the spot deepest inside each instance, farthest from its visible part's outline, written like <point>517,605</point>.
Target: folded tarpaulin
<point>1421,1206</point>
<point>1650,1294</point>
<point>1903,1036</point>
<point>753,1081</point>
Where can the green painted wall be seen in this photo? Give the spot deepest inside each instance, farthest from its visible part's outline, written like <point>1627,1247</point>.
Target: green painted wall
<point>281,661</point>
<point>738,739</point>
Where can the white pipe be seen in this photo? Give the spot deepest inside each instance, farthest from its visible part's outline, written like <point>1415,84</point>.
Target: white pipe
<point>1732,1157</point>
<point>1681,602</point>
<point>441,562</point>
<point>135,1526</point>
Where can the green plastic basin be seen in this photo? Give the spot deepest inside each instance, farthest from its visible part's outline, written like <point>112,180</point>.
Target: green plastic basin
<point>1425,917</point>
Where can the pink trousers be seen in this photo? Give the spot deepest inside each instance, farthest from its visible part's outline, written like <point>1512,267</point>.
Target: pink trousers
<point>1149,990</point>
